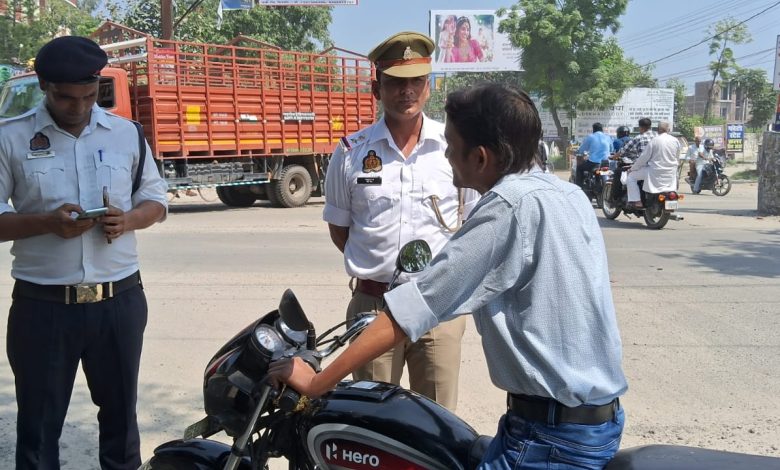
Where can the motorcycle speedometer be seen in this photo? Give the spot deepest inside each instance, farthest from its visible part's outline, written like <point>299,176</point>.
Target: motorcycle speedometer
<point>264,346</point>
<point>268,341</point>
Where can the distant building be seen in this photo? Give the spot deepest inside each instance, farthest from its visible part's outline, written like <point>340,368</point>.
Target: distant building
<point>19,14</point>
<point>729,103</point>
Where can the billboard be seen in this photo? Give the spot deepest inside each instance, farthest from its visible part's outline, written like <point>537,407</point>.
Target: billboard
<point>654,103</point>
<point>735,137</point>
<point>469,41</point>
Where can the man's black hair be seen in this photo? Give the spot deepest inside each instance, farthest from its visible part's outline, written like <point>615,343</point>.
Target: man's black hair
<point>498,118</point>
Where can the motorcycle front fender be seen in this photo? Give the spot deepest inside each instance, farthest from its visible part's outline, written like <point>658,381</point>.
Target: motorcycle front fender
<point>192,454</point>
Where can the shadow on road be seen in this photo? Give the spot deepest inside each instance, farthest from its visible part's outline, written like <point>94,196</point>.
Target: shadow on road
<point>718,211</point>
<point>160,413</point>
<point>216,207</point>
<point>740,258</point>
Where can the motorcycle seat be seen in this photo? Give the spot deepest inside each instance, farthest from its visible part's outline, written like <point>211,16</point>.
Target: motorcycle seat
<point>668,457</point>
<point>478,450</point>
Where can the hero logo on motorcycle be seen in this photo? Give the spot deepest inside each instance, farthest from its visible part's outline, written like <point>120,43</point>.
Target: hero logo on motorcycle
<point>344,454</point>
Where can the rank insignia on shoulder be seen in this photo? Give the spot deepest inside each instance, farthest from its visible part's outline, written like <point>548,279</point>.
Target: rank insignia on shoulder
<point>372,163</point>
<point>345,145</point>
<point>39,142</point>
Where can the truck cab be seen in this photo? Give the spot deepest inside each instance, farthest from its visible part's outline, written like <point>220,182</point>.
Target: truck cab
<point>22,93</point>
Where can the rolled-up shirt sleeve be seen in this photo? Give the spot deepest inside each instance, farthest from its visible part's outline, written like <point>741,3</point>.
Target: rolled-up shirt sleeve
<point>479,263</point>
<point>337,209</point>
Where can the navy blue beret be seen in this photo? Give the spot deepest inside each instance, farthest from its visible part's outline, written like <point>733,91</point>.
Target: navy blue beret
<point>70,59</point>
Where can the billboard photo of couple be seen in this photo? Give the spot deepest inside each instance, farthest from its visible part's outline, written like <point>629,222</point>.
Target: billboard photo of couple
<point>469,41</point>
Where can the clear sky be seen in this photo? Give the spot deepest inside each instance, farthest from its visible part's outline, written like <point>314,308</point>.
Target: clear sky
<point>650,29</point>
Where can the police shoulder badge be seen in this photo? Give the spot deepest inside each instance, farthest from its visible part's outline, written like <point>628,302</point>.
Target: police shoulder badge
<point>39,142</point>
<point>372,163</point>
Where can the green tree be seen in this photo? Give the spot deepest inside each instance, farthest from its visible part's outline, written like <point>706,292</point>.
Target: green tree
<point>435,106</point>
<point>291,28</point>
<point>678,86</point>
<point>724,33</point>
<point>567,59</point>
<point>22,39</point>
<point>758,94</point>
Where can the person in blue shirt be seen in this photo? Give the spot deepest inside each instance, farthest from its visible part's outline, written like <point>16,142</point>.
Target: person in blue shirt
<point>623,136</point>
<point>598,146</point>
<point>558,357</point>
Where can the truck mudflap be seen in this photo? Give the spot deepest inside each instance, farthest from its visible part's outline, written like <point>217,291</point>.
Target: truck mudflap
<point>194,454</point>
<point>668,457</point>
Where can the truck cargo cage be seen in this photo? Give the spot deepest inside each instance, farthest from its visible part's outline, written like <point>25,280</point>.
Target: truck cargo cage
<point>208,109</point>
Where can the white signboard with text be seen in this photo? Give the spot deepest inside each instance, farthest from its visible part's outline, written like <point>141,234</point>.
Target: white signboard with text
<point>469,41</point>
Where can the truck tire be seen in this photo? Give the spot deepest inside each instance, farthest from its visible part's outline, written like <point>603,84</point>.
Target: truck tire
<point>293,188</point>
<point>233,197</point>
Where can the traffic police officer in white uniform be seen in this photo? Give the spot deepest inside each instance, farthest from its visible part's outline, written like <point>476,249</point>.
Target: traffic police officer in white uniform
<point>387,185</point>
<point>78,295</point>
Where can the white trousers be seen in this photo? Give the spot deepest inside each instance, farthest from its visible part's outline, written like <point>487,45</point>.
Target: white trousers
<point>633,189</point>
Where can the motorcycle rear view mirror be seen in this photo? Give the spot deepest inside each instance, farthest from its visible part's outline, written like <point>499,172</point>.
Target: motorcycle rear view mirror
<point>414,256</point>
<point>292,312</point>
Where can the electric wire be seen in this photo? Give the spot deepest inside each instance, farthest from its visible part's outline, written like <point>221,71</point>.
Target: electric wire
<point>714,36</point>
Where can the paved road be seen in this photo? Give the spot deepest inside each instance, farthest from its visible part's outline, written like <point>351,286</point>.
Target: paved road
<point>698,306</point>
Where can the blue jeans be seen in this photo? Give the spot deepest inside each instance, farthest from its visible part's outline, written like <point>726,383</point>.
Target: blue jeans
<point>530,445</point>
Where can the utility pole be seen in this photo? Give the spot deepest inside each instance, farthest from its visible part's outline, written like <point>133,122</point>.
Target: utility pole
<point>166,18</point>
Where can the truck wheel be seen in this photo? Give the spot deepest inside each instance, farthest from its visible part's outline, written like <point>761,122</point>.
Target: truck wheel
<point>293,188</point>
<point>233,197</point>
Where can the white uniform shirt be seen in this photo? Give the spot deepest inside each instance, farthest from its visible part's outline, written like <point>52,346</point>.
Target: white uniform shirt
<point>386,205</point>
<point>660,156</point>
<point>43,167</point>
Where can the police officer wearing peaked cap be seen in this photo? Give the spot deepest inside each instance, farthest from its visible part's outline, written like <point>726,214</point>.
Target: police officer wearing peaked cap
<point>406,54</point>
<point>388,184</point>
<point>78,296</point>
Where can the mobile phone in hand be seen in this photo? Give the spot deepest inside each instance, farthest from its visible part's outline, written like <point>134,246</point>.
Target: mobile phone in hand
<point>92,213</point>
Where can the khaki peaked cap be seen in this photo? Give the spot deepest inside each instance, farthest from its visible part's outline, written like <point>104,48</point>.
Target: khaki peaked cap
<point>405,54</point>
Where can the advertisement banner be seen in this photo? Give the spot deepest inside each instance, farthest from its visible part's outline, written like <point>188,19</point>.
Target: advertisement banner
<point>712,132</point>
<point>735,138</point>
<point>236,4</point>
<point>469,41</point>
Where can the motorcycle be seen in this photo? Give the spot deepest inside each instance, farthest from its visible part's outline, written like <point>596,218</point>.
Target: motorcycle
<point>658,207</point>
<point>713,178</point>
<point>359,425</point>
<point>593,181</point>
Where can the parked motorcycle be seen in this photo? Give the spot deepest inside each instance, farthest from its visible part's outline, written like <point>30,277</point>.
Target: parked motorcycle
<point>713,178</point>
<point>359,425</point>
<point>658,207</point>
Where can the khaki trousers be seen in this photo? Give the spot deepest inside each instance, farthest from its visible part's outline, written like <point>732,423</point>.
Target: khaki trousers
<point>433,360</point>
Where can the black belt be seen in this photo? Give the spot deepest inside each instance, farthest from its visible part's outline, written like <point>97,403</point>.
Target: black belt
<point>372,288</point>
<point>76,294</point>
<point>547,410</point>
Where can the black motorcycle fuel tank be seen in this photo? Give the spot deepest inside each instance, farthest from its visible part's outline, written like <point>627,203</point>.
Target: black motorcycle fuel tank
<point>375,425</point>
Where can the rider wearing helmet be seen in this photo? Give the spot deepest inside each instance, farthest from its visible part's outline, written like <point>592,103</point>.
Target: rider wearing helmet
<point>701,162</point>
<point>622,138</point>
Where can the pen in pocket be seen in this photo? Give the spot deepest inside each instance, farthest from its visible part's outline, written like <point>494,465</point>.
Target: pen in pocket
<point>100,155</point>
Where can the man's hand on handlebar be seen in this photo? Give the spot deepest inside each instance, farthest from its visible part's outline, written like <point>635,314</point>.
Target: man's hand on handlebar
<point>296,373</point>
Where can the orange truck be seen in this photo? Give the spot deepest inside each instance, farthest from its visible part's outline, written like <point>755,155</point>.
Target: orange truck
<point>254,122</point>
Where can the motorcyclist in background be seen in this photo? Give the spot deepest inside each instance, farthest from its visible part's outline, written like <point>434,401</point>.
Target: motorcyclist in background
<point>632,150</point>
<point>701,161</point>
<point>623,136</point>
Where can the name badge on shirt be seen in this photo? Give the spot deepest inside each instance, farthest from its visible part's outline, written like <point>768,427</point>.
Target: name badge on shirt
<point>40,154</point>
<point>372,181</point>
